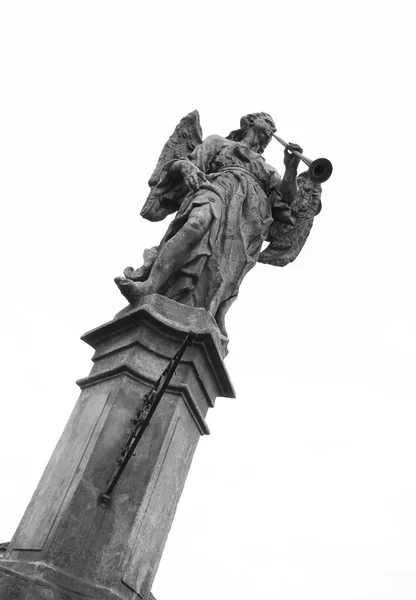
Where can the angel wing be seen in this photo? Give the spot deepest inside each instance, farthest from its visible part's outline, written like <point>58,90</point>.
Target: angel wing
<point>167,192</point>
<point>287,240</point>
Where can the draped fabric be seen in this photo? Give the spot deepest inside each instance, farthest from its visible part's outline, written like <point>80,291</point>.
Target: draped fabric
<point>238,195</point>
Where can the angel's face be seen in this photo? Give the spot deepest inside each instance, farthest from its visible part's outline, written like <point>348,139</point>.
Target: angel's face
<point>264,126</point>
<point>260,132</point>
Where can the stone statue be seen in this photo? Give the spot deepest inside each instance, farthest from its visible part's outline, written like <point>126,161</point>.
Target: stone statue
<point>228,201</point>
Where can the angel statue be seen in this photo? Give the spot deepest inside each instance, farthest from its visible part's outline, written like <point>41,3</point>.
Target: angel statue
<point>228,201</point>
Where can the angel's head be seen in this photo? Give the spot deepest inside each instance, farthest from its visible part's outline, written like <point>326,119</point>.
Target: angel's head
<point>255,130</point>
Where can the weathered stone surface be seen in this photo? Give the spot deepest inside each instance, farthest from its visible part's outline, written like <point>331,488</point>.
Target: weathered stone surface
<point>69,545</point>
<point>228,201</point>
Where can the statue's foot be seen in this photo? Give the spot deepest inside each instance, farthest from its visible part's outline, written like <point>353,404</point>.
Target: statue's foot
<point>129,272</point>
<point>135,274</point>
<point>132,290</point>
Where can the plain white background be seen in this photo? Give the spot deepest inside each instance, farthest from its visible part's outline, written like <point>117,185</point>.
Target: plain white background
<point>306,487</point>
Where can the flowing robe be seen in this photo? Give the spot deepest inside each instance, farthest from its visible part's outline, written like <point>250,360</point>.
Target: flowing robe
<point>240,192</point>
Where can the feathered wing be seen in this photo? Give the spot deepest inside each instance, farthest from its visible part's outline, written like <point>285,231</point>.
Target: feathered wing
<point>287,240</point>
<point>166,192</point>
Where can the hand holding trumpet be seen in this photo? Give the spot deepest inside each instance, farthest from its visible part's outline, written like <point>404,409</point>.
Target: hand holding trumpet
<point>291,160</point>
<point>319,170</point>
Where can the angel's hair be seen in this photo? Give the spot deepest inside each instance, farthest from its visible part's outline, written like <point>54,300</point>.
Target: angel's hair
<point>245,123</point>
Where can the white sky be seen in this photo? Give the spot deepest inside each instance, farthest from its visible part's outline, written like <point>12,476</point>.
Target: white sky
<point>306,487</point>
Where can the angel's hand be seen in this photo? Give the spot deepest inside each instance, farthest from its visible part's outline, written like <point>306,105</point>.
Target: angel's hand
<point>192,176</point>
<point>291,160</point>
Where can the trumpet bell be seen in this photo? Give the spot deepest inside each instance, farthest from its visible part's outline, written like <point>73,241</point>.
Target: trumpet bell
<point>320,170</point>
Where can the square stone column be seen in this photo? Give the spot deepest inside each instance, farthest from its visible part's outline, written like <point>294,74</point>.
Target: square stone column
<point>70,545</point>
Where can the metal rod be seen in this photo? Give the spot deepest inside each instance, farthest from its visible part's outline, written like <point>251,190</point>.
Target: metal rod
<point>152,399</point>
<point>306,160</point>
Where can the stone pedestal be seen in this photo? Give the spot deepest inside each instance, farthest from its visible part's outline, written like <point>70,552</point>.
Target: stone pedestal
<point>70,545</point>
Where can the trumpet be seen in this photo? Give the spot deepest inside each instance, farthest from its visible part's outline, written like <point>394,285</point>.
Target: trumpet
<point>320,170</point>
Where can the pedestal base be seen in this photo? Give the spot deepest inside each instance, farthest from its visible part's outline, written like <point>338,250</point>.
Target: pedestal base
<point>45,583</point>
<point>70,545</point>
